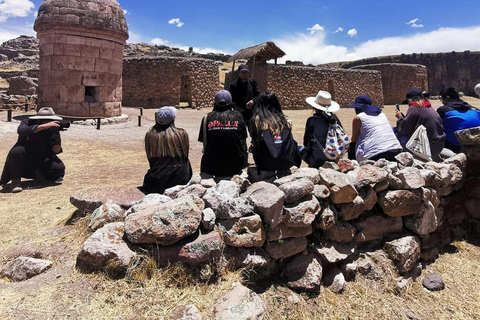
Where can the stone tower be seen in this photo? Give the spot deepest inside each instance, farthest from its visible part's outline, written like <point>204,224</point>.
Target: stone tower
<point>81,57</point>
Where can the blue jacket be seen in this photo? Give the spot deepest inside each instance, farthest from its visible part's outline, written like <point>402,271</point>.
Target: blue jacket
<point>458,115</point>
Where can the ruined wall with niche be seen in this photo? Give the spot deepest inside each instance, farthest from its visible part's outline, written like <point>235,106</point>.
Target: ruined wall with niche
<point>398,78</point>
<point>155,82</point>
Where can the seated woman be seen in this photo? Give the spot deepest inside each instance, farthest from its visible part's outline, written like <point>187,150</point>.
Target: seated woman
<point>223,133</point>
<point>372,135</point>
<point>315,136</point>
<point>167,151</point>
<point>274,148</point>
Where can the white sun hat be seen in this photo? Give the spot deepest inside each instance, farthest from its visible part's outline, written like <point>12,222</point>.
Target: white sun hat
<point>46,114</point>
<point>323,101</point>
<point>477,89</point>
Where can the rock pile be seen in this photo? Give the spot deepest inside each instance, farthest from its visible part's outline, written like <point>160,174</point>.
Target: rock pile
<point>318,226</point>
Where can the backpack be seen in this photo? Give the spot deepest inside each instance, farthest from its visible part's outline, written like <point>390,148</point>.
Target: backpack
<point>419,145</point>
<point>336,144</point>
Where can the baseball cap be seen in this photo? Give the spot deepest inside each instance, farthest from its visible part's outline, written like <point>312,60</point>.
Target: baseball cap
<point>223,98</point>
<point>243,67</point>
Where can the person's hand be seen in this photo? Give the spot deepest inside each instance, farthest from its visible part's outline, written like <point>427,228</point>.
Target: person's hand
<point>56,149</point>
<point>250,104</point>
<point>398,114</point>
<point>48,125</point>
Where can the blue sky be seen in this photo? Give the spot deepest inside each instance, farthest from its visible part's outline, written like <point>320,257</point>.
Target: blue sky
<point>304,29</point>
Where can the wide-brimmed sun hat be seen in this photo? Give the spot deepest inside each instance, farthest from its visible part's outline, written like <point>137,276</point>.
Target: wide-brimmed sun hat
<point>165,115</point>
<point>323,101</point>
<point>364,103</point>
<point>46,114</point>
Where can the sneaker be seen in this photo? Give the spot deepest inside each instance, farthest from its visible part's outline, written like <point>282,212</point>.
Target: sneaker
<point>16,186</point>
<point>59,180</point>
<point>5,187</point>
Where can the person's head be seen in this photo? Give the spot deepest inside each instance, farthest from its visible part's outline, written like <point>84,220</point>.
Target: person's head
<point>449,94</point>
<point>268,114</point>
<point>243,72</point>
<point>425,95</point>
<point>164,139</point>
<point>223,100</point>
<point>413,95</point>
<point>323,102</point>
<point>363,103</point>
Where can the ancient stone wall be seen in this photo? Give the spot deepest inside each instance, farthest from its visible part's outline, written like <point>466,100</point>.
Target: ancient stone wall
<point>453,69</point>
<point>72,61</point>
<point>155,82</point>
<point>398,78</point>
<point>293,84</point>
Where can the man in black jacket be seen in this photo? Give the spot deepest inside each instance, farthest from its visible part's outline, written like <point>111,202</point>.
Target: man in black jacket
<point>34,156</point>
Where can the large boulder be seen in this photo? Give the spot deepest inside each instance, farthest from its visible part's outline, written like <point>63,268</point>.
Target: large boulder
<point>24,268</point>
<point>369,197</point>
<point>340,232</point>
<point>240,303</point>
<point>106,248</point>
<point>321,192</point>
<point>163,224</point>
<point>340,186</point>
<point>282,249</point>
<point>352,210</point>
<point>234,208</point>
<point>397,203</point>
<point>405,159</point>
<point>367,175</point>
<point>107,213</point>
<point>302,212</point>
<point>303,273</point>
<point>376,227</point>
<point>423,222</point>
<point>302,173</point>
<point>90,199</point>
<point>268,201</point>
<point>297,189</point>
<point>411,178</point>
<point>431,178</point>
<point>193,250</point>
<point>468,137</point>
<point>22,86</point>
<point>149,198</point>
<point>194,189</point>
<point>228,188</point>
<point>243,232</point>
<point>283,231</point>
<point>404,252</point>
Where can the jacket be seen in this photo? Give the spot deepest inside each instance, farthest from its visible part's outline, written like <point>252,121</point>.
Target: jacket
<point>316,129</point>
<point>242,92</point>
<point>458,115</point>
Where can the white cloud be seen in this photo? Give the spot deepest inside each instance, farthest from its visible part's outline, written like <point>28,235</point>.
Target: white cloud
<point>162,42</point>
<point>125,12</point>
<point>413,23</point>
<point>352,32</point>
<point>176,21</point>
<point>15,8</point>
<point>340,29</point>
<point>314,48</point>
<point>10,32</point>
<point>316,28</point>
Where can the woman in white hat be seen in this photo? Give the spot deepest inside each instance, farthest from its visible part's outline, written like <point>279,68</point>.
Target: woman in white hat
<point>34,156</point>
<point>167,151</point>
<point>315,137</point>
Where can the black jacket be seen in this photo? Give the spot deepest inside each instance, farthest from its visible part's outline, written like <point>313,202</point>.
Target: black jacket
<point>37,144</point>
<point>165,173</point>
<point>242,92</point>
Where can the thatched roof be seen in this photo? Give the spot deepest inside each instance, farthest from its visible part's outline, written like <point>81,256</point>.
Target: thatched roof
<point>262,52</point>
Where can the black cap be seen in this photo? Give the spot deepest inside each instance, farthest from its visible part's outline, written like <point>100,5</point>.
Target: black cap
<point>449,92</point>
<point>412,93</point>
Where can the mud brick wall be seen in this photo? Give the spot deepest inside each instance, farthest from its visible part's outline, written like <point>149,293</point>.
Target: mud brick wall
<point>452,69</point>
<point>71,61</point>
<point>157,82</point>
<point>293,84</point>
<point>398,78</point>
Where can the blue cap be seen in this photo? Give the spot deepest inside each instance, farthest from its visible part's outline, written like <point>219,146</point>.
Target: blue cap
<point>243,67</point>
<point>223,98</point>
<point>364,103</point>
<point>165,115</point>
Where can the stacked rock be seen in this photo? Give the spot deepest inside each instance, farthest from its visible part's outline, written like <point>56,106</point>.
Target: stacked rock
<point>313,226</point>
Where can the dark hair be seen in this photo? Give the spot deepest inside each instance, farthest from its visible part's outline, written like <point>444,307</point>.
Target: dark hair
<point>268,115</point>
<point>451,93</point>
<point>329,117</point>
<point>226,113</point>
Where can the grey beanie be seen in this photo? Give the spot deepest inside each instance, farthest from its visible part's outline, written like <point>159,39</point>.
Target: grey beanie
<point>165,115</point>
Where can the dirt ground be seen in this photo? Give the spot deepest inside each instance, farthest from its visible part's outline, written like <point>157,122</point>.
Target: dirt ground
<point>37,222</point>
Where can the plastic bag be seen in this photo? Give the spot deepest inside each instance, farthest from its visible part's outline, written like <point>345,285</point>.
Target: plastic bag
<point>419,145</point>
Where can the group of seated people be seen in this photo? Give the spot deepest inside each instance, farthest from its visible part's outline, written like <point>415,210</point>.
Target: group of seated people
<point>223,133</point>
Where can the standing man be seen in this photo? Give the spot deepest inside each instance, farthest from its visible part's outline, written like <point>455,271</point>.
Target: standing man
<point>244,91</point>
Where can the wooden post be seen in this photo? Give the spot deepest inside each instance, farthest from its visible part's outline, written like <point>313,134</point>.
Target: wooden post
<point>140,117</point>
<point>9,115</point>
<point>99,123</point>
<point>275,60</point>
<point>26,107</point>
<point>141,111</point>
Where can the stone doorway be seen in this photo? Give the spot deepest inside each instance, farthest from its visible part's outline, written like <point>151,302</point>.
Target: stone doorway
<point>186,92</point>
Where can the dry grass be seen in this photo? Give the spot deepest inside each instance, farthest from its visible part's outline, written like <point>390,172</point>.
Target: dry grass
<point>114,156</point>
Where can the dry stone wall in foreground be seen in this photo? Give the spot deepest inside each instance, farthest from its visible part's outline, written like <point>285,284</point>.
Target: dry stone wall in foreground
<point>313,227</point>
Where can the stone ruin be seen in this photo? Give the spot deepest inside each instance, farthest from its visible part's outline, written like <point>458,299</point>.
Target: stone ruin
<point>81,57</point>
<point>312,227</point>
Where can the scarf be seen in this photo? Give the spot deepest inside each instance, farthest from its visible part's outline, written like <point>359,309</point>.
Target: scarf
<point>425,104</point>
